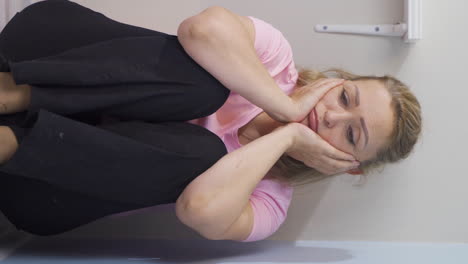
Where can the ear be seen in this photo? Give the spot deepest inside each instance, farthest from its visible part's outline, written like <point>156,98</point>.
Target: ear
<point>355,171</point>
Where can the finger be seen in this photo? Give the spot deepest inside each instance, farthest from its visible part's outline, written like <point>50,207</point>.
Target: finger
<point>328,83</point>
<point>334,153</point>
<point>319,85</point>
<point>339,155</point>
<point>319,91</point>
<point>323,81</point>
<point>338,166</point>
<point>319,82</point>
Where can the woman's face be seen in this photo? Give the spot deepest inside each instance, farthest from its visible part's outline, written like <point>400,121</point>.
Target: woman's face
<point>355,117</point>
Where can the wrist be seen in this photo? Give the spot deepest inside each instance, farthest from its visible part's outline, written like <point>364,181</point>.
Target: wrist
<point>289,113</point>
<point>292,112</point>
<point>289,134</point>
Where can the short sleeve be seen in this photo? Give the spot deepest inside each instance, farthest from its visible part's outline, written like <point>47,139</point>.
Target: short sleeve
<point>267,40</point>
<point>270,202</point>
<point>272,48</point>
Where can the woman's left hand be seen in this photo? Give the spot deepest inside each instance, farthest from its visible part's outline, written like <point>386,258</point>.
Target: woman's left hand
<point>315,152</point>
<point>305,98</point>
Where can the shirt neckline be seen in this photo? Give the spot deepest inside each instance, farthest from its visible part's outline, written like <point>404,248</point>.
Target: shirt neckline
<point>257,111</point>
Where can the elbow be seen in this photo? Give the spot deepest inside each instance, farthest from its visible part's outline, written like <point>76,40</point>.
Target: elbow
<point>202,26</point>
<point>187,210</point>
<point>191,214</point>
<point>190,29</point>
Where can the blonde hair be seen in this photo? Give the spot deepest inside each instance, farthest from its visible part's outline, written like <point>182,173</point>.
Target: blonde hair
<point>406,129</point>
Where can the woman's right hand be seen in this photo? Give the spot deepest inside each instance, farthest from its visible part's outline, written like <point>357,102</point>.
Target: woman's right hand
<point>316,153</point>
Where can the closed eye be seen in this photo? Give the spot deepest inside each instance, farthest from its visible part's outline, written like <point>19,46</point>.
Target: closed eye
<point>344,98</point>
<point>349,132</point>
<point>350,136</point>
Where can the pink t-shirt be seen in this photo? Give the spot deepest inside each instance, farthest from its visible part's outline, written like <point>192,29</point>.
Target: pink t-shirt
<point>270,199</point>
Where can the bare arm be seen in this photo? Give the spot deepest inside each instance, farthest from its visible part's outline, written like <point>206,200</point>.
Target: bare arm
<point>223,44</point>
<point>216,204</point>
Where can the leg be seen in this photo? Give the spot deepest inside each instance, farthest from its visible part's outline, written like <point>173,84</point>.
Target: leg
<point>77,173</point>
<point>51,27</point>
<point>79,157</point>
<point>42,209</point>
<point>145,78</point>
<point>102,65</point>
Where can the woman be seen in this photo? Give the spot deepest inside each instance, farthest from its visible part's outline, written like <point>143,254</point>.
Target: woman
<point>94,105</point>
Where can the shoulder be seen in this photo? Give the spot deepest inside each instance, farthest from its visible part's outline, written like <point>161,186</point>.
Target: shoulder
<point>275,189</point>
<point>269,205</point>
<point>274,51</point>
<point>268,38</point>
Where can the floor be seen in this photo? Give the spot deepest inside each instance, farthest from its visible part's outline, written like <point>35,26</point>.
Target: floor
<point>50,250</point>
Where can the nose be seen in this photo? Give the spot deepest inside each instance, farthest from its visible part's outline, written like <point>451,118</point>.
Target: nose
<point>332,118</point>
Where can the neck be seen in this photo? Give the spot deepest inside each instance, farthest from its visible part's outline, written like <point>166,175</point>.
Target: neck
<point>268,125</point>
<point>261,125</point>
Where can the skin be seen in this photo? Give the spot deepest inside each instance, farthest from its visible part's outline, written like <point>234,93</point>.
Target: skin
<point>338,113</point>
<point>14,98</point>
<point>335,118</point>
<point>216,204</point>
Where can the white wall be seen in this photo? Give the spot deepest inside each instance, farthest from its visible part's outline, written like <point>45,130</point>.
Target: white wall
<point>8,9</point>
<point>421,199</point>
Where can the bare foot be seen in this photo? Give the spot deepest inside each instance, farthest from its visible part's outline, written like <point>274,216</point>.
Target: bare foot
<point>13,98</point>
<point>8,144</point>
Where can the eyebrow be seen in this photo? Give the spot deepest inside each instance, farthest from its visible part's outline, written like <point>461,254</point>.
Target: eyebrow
<point>356,98</point>
<point>364,128</point>
<point>363,124</point>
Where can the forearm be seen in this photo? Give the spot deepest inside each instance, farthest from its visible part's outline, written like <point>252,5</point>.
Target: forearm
<point>220,42</point>
<point>216,198</point>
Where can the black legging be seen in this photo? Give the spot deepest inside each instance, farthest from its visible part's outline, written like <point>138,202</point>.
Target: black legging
<point>71,169</point>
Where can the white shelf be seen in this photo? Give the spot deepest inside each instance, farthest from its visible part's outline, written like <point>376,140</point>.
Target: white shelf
<point>410,29</point>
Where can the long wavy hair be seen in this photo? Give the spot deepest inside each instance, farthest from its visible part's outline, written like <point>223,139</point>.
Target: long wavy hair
<point>406,129</point>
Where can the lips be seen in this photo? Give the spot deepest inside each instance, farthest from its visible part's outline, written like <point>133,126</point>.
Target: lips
<point>313,120</point>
